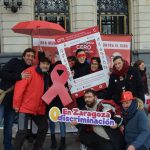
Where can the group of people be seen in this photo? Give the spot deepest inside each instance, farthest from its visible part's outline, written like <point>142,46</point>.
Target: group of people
<point>80,66</point>
<point>130,132</point>
<point>23,84</point>
<point>125,94</point>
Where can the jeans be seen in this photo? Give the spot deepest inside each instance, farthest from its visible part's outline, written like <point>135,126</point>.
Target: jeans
<point>8,114</point>
<point>1,113</point>
<point>62,128</point>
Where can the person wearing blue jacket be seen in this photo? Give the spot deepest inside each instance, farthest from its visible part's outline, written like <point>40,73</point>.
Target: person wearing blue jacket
<point>135,123</point>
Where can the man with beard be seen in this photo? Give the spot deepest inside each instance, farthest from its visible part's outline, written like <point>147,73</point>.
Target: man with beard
<point>135,123</point>
<point>9,74</point>
<point>101,137</point>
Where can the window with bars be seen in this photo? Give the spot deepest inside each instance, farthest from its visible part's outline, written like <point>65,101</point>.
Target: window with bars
<point>112,16</point>
<point>56,11</point>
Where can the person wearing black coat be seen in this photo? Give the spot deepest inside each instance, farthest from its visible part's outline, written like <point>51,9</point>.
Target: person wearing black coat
<point>9,74</point>
<point>124,78</point>
<point>139,64</point>
<point>81,69</point>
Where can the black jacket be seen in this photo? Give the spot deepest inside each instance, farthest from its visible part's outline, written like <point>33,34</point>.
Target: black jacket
<point>144,79</point>
<point>131,81</point>
<point>81,69</point>
<point>9,74</point>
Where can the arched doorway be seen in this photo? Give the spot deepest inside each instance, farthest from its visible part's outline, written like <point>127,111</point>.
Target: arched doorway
<point>112,16</point>
<point>56,11</point>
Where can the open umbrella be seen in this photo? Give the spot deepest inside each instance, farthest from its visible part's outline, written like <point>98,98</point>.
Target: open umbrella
<point>37,27</point>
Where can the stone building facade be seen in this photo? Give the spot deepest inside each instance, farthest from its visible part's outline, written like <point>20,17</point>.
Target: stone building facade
<point>127,17</point>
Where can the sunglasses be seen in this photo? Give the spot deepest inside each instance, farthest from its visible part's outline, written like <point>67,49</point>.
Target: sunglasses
<point>81,55</point>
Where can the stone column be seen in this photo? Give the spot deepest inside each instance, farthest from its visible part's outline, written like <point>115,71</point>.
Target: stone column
<point>83,14</point>
<point>142,25</point>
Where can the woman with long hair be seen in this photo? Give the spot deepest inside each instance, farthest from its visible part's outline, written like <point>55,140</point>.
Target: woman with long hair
<point>141,66</point>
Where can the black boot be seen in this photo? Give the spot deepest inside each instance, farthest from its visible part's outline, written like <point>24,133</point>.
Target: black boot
<point>62,144</point>
<point>54,142</point>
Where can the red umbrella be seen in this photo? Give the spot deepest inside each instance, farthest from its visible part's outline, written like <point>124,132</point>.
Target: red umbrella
<point>37,27</point>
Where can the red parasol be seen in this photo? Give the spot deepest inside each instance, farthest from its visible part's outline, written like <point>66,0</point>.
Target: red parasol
<point>37,27</point>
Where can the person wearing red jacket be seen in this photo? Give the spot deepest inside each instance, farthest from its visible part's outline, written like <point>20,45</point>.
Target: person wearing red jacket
<point>28,103</point>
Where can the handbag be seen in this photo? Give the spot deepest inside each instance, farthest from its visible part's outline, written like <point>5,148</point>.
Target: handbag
<point>3,93</point>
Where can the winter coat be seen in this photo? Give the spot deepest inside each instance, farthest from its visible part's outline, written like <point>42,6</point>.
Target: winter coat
<point>137,132</point>
<point>9,74</point>
<point>28,93</point>
<point>144,79</point>
<point>81,69</point>
<point>131,81</point>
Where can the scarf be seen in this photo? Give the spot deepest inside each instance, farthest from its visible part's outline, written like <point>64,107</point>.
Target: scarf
<point>123,71</point>
<point>46,78</point>
<point>130,112</point>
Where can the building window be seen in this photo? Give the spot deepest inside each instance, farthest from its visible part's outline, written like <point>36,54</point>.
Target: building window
<point>112,16</point>
<point>56,11</point>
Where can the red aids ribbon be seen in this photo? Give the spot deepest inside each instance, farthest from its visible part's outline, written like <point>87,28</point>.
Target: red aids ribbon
<point>58,87</point>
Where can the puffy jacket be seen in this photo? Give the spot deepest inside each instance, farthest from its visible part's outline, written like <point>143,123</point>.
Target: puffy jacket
<point>28,93</point>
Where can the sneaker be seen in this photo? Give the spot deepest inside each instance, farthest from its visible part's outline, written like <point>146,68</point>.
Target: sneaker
<point>83,147</point>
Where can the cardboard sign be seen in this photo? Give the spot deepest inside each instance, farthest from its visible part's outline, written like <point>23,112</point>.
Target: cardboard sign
<point>81,116</point>
<point>97,80</point>
<point>95,45</point>
<point>115,45</point>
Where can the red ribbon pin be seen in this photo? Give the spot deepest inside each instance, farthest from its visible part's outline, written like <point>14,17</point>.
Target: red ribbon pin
<point>58,87</point>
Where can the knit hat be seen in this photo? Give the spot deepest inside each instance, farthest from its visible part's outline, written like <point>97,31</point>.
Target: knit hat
<point>44,59</point>
<point>127,96</point>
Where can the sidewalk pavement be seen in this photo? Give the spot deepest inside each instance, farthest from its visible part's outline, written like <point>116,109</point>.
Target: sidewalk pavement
<point>71,142</point>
